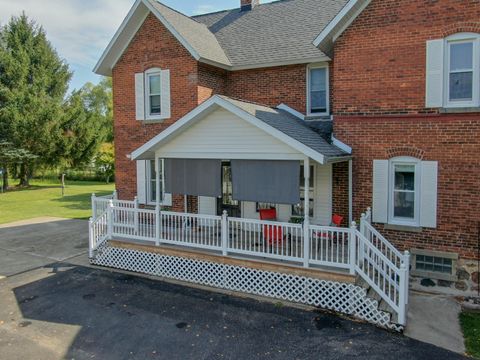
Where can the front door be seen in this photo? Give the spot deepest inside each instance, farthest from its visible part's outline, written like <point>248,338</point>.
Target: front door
<point>226,202</point>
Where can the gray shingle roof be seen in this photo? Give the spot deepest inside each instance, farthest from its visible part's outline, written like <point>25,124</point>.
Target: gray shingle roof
<point>195,33</point>
<point>291,126</point>
<point>278,32</point>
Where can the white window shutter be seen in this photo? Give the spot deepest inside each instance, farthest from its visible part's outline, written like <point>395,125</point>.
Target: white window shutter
<point>380,191</point>
<point>428,194</point>
<point>165,94</point>
<point>434,71</point>
<point>142,181</point>
<point>139,96</point>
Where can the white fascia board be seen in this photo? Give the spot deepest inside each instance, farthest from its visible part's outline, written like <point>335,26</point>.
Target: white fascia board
<point>100,66</point>
<point>118,45</point>
<point>288,109</point>
<point>341,145</point>
<point>352,10</point>
<point>206,106</point>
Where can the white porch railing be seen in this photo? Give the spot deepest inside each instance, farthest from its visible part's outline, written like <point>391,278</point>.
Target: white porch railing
<point>364,252</point>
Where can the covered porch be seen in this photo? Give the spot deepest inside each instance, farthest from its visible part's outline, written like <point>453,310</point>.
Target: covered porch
<point>239,159</point>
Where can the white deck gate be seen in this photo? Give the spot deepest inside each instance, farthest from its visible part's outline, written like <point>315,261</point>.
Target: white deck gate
<point>364,252</point>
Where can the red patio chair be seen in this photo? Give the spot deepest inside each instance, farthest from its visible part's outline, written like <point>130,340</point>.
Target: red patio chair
<point>272,233</point>
<point>336,222</point>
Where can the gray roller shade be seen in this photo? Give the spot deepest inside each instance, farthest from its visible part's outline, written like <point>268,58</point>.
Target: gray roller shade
<point>269,181</point>
<point>196,177</point>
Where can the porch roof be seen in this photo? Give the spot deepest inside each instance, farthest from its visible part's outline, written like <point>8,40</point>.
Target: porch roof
<point>278,123</point>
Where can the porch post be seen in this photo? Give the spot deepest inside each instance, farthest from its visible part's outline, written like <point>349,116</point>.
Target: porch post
<point>158,222</point>
<point>224,233</point>
<point>306,207</point>
<point>352,243</point>
<point>110,217</point>
<point>91,235</point>
<point>136,214</point>
<point>350,191</point>
<point>94,207</point>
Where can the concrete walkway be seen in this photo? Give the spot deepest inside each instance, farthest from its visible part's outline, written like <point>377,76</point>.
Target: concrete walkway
<point>435,319</point>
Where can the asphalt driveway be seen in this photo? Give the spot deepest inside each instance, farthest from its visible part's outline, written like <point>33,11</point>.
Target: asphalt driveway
<point>26,245</point>
<point>57,309</point>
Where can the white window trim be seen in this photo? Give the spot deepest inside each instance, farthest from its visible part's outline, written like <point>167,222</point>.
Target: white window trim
<point>148,74</point>
<point>404,160</point>
<point>455,39</point>
<point>148,182</point>
<point>318,66</point>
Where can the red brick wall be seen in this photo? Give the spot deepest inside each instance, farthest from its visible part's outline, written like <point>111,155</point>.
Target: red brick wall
<point>380,58</point>
<point>153,46</point>
<point>380,74</point>
<point>453,141</point>
<point>211,81</point>
<point>340,191</point>
<point>270,86</point>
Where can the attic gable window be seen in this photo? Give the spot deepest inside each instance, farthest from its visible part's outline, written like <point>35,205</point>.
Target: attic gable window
<point>317,90</point>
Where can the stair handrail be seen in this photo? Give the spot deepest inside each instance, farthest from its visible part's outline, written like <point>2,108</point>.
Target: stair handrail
<point>380,242</point>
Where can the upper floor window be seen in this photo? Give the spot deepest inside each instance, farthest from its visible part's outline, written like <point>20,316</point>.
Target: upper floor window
<point>317,88</point>
<point>152,95</point>
<point>453,71</point>
<point>462,83</point>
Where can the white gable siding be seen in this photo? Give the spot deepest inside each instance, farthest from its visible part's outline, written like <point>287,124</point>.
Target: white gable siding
<point>224,135</point>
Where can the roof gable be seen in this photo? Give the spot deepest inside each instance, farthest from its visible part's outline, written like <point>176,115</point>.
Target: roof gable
<point>195,37</point>
<point>336,27</point>
<point>277,123</point>
<point>273,34</point>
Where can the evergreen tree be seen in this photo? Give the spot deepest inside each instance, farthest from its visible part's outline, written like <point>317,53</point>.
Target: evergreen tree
<point>33,84</point>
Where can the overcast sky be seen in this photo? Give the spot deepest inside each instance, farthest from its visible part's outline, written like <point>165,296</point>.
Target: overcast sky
<point>81,29</point>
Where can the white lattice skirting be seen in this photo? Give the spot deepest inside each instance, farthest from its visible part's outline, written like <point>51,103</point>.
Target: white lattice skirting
<point>341,297</point>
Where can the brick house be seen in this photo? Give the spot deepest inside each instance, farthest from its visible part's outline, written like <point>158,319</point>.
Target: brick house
<point>316,109</point>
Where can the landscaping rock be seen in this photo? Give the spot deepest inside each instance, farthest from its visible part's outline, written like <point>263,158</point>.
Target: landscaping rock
<point>427,282</point>
<point>462,274</point>
<point>475,276</point>
<point>444,283</point>
<point>461,285</point>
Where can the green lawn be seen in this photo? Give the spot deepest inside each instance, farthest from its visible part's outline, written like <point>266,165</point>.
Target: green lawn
<point>44,198</point>
<point>471,331</point>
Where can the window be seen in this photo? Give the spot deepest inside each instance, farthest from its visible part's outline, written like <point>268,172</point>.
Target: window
<point>299,209</point>
<point>462,68</point>
<point>404,191</point>
<point>318,97</point>
<point>154,105</point>
<point>153,93</point>
<point>434,264</point>
<point>151,182</point>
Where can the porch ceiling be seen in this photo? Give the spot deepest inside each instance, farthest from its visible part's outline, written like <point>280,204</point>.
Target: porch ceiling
<point>224,128</point>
